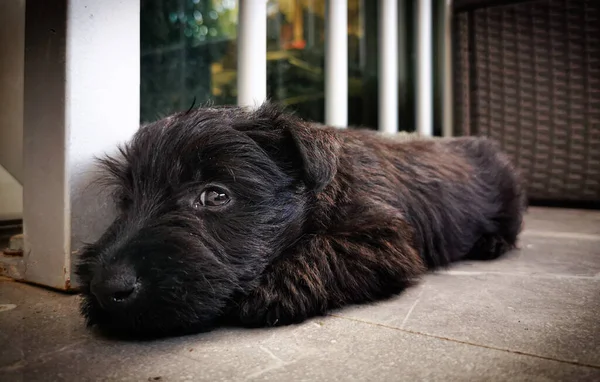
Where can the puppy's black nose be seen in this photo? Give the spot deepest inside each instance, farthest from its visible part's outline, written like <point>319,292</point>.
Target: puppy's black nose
<point>115,287</point>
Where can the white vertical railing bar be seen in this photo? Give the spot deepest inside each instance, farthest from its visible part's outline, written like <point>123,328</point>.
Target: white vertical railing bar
<point>424,84</point>
<point>336,63</point>
<point>252,53</point>
<point>388,66</point>
<point>447,97</point>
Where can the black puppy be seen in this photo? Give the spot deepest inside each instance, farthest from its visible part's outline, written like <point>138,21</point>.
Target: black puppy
<point>261,218</point>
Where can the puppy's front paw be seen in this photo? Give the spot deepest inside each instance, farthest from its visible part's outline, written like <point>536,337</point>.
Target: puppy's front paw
<point>262,308</point>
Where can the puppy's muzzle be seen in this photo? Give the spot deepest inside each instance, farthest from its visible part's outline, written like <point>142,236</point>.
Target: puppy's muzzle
<point>115,287</point>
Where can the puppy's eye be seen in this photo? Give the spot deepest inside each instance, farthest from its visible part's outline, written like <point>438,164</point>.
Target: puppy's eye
<point>212,197</point>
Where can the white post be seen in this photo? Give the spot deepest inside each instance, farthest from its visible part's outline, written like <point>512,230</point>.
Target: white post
<point>252,53</point>
<point>336,63</point>
<point>81,98</point>
<point>424,69</point>
<point>388,66</point>
<point>447,97</point>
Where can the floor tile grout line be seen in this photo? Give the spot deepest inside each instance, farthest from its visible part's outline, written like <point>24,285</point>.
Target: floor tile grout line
<point>518,352</point>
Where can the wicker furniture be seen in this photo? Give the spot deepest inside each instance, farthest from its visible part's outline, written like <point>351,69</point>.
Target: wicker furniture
<point>528,74</point>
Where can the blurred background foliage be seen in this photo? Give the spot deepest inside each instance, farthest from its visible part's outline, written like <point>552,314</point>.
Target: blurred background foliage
<point>189,50</point>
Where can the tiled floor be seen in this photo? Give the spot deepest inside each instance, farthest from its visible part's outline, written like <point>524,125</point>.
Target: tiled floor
<point>531,316</point>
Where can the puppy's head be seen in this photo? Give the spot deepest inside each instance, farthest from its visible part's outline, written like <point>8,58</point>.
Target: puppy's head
<point>206,200</point>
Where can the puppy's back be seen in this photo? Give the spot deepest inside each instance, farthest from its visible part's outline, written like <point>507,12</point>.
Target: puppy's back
<point>460,194</point>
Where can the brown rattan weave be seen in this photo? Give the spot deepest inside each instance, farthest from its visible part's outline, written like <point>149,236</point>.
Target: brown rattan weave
<point>528,75</point>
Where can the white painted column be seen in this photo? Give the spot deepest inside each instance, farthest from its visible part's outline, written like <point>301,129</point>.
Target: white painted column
<point>252,53</point>
<point>424,69</point>
<point>447,96</point>
<point>82,74</point>
<point>388,66</point>
<point>336,63</point>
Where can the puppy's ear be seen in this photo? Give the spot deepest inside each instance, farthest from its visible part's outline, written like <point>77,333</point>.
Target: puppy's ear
<point>304,150</point>
<point>318,149</point>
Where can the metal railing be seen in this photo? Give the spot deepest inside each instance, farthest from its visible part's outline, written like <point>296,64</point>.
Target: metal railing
<point>252,62</point>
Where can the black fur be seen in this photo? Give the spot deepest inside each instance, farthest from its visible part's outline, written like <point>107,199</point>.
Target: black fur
<point>319,218</point>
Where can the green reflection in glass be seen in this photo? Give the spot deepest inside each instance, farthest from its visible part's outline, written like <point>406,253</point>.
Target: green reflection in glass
<point>189,50</point>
